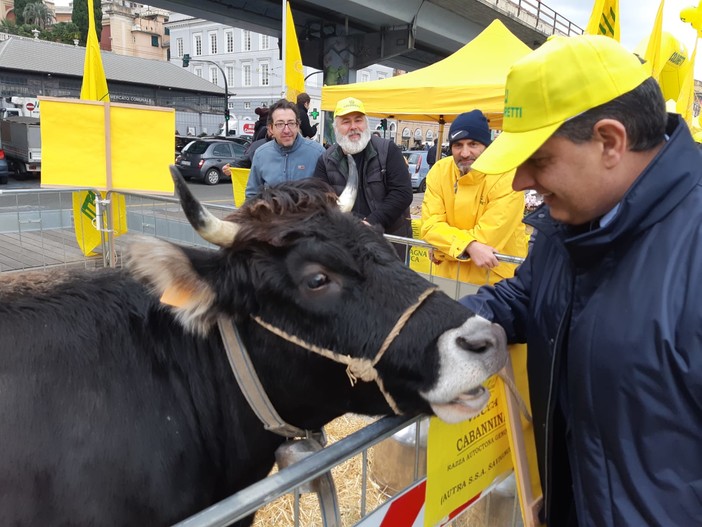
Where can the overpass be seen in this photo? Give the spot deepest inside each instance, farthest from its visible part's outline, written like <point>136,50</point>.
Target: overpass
<point>404,34</point>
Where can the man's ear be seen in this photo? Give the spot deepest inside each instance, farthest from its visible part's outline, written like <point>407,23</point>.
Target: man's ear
<point>613,137</point>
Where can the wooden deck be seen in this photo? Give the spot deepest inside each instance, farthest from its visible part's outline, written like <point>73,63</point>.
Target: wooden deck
<point>42,249</point>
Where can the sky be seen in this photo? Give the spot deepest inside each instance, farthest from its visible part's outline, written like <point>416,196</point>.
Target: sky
<point>636,20</point>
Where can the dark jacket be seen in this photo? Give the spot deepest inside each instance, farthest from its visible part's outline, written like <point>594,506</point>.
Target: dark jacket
<point>431,156</point>
<point>612,318</point>
<point>260,130</point>
<point>387,189</point>
<point>305,129</point>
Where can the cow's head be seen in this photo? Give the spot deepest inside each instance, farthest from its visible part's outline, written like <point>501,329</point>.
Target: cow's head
<point>293,259</point>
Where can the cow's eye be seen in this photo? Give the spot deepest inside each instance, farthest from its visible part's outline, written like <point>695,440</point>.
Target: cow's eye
<point>317,281</point>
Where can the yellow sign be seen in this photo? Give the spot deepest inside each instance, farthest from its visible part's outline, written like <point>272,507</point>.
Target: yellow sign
<point>464,459</point>
<point>240,176</point>
<point>419,256</point>
<point>106,146</point>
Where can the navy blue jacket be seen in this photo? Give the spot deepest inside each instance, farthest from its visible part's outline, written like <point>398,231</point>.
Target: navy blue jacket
<point>613,323</point>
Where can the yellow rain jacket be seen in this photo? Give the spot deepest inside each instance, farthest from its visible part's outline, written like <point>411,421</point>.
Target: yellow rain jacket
<point>459,209</point>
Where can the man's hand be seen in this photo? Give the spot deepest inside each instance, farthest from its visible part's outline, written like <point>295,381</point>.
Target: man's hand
<point>227,170</point>
<point>433,258</point>
<point>482,255</point>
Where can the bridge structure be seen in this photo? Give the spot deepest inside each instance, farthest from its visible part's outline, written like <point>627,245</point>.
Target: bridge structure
<point>403,34</point>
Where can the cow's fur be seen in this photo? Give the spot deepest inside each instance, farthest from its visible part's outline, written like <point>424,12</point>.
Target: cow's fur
<point>116,409</point>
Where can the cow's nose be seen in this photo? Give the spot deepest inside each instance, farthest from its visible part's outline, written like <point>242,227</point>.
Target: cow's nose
<point>473,345</point>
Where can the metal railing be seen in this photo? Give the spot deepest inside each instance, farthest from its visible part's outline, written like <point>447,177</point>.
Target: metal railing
<point>537,15</point>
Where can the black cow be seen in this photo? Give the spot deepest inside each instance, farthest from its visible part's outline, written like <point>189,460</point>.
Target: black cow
<point>119,410</point>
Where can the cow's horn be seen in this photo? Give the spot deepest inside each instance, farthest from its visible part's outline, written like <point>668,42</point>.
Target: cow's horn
<point>209,227</point>
<point>348,196</point>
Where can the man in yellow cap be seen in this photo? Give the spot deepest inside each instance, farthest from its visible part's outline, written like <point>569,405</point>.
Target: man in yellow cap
<point>384,184</point>
<point>608,299</point>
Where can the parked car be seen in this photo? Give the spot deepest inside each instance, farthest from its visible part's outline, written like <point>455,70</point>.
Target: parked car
<point>4,168</point>
<point>181,141</point>
<point>418,168</point>
<point>204,157</point>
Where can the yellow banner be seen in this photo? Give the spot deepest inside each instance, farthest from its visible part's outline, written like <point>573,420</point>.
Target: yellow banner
<point>686,99</point>
<point>419,256</point>
<point>240,176</point>
<point>135,157</point>
<point>294,72</point>
<point>653,58</point>
<point>604,19</point>
<point>86,222</point>
<point>94,88</point>
<point>464,459</point>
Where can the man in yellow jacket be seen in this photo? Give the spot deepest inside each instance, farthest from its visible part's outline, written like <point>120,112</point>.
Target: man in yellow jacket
<point>469,216</point>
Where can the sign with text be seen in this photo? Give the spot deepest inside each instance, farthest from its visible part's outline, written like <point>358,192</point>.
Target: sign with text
<point>106,146</point>
<point>464,459</point>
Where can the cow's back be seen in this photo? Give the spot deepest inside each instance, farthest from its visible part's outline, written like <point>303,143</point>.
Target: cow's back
<point>112,405</point>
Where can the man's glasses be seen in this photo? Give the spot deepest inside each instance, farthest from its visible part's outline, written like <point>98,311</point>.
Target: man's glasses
<point>280,125</point>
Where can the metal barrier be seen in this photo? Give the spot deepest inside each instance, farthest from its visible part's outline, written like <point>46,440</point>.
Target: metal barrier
<point>43,237</point>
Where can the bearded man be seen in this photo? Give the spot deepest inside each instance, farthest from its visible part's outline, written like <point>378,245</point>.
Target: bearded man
<point>469,216</point>
<point>384,184</point>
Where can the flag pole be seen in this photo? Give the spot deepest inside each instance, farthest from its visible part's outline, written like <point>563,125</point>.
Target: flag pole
<point>283,51</point>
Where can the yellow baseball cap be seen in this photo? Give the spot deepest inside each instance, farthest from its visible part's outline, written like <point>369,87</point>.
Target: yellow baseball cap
<point>563,78</point>
<point>347,106</point>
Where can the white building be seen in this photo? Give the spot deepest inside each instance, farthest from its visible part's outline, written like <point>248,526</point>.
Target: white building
<point>250,63</point>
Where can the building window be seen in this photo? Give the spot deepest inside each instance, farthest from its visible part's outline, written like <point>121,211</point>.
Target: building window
<point>247,105</point>
<point>230,75</point>
<point>179,47</point>
<point>214,78</point>
<point>246,74</point>
<point>229,37</point>
<point>365,76</point>
<point>265,42</point>
<point>264,73</point>
<point>197,40</point>
<point>167,31</point>
<point>213,43</point>
<point>154,40</point>
<point>198,72</point>
<point>246,42</point>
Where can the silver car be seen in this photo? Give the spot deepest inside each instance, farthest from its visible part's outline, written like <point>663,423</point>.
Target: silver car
<point>418,168</point>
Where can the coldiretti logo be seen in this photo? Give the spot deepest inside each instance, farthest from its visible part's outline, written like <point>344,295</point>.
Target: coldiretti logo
<point>513,112</point>
<point>88,207</point>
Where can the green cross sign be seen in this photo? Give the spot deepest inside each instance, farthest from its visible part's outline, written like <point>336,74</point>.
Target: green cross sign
<point>314,113</point>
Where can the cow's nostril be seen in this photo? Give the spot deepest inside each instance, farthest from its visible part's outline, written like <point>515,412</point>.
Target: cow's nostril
<point>472,346</point>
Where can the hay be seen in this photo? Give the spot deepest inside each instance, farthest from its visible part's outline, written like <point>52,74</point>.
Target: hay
<point>494,510</point>
<point>347,477</point>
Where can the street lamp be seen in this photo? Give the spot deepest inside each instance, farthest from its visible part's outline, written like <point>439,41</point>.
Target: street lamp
<point>187,60</point>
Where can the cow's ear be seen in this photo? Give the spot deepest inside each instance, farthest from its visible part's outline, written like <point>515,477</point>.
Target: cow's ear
<point>168,272</point>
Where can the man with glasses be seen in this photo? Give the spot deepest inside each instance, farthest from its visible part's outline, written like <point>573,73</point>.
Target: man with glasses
<point>289,157</point>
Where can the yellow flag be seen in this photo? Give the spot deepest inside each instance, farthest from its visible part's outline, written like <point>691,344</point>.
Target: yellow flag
<point>686,99</point>
<point>94,88</point>
<point>654,61</point>
<point>294,73</point>
<point>604,19</point>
